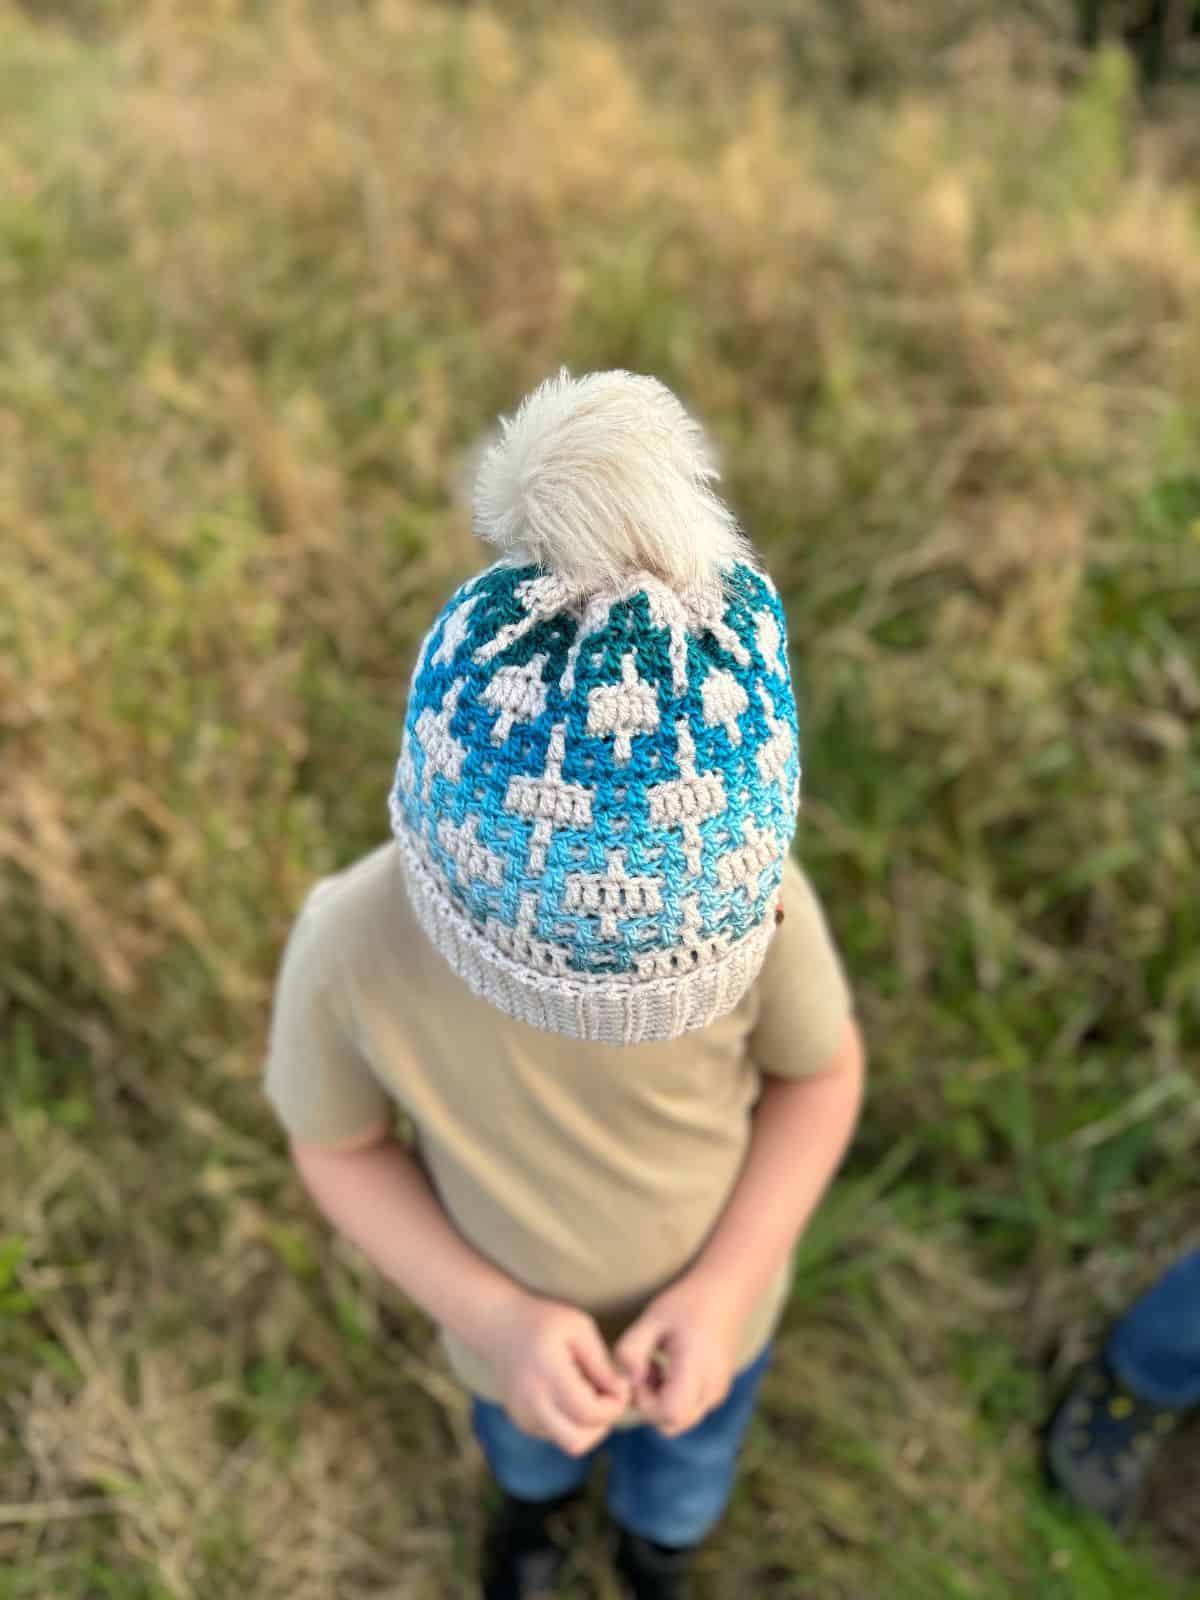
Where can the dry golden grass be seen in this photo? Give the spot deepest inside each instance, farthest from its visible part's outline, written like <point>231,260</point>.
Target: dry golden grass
<point>265,272</point>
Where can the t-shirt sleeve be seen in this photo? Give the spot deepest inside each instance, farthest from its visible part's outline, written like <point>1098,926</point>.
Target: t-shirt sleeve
<point>804,999</point>
<point>317,1080</point>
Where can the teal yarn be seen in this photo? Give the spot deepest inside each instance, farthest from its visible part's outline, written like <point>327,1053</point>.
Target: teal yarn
<point>595,799</point>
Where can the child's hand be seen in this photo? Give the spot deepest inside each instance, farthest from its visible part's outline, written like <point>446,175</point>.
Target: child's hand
<point>557,1377</point>
<point>681,1354</point>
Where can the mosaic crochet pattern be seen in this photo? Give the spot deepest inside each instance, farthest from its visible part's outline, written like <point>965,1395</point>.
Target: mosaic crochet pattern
<point>595,803</point>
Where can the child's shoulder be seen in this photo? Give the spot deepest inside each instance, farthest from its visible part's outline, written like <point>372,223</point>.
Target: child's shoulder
<point>803,948</point>
<point>356,888</point>
<point>349,914</point>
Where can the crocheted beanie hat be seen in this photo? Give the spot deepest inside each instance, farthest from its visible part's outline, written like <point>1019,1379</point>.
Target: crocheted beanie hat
<point>599,776</point>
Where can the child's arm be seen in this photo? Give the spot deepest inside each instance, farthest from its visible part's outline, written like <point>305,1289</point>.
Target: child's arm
<point>558,1379</point>
<point>801,1130</point>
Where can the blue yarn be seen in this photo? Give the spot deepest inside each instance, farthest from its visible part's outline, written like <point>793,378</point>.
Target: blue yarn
<point>620,806</point>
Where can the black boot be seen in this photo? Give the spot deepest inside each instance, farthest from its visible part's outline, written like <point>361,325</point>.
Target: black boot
<point>526,1547</point>
<point>1101,1443</point>
<point>652,1571</point>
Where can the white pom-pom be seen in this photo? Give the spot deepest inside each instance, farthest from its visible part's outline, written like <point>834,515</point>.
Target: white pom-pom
<point>600,477</point>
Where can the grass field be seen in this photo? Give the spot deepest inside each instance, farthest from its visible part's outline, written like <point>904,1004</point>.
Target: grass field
<point>265,272</point>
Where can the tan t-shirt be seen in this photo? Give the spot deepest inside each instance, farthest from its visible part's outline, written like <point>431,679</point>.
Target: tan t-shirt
<point>587,1172</point>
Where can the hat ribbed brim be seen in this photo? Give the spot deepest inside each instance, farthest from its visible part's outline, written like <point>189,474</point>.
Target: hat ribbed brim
<point>601,1010</point>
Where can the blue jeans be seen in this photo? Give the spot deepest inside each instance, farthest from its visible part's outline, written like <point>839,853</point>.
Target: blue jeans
<point>672,1491</point>
<point>1155,1348</point>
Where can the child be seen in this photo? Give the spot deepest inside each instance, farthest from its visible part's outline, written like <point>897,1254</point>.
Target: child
<point>587,971</point>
